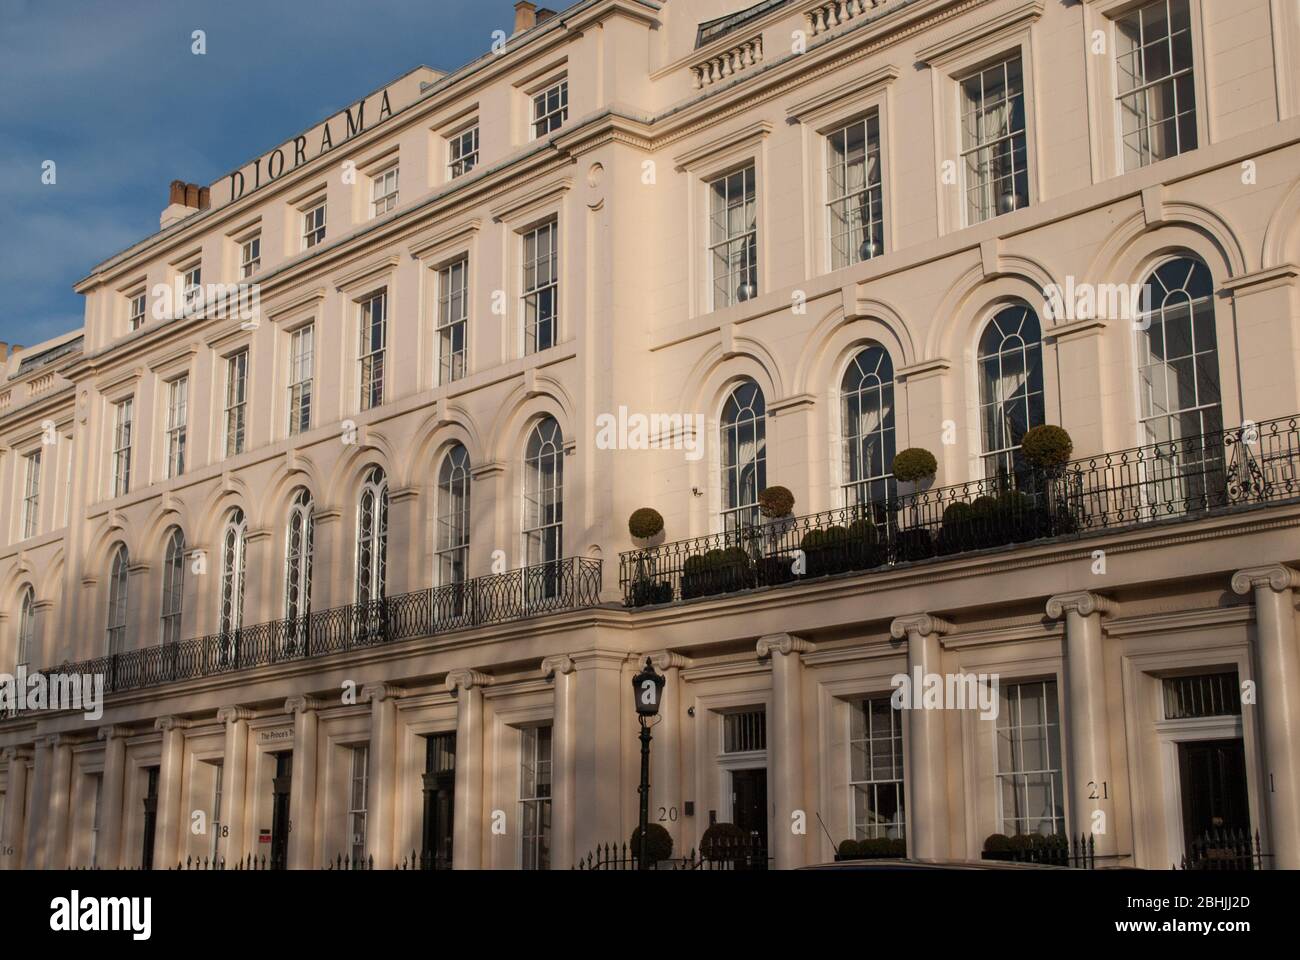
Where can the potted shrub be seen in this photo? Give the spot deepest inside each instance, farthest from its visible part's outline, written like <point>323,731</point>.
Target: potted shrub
<point>958,532</point>
<point>647,591</point>
<point>717,571</point>
<point>915,465</point>
<point>865,548</point>
<point>725,842</point>
<point>848,850</point>
<point>775,503</point>
<point>659,843</point>
<point>645,523</point>
<point>826,551</point>
<point>997,846</point>
<point>1047,448</point>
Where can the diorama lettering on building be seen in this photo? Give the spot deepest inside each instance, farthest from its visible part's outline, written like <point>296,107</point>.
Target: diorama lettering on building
<point>338,129</point>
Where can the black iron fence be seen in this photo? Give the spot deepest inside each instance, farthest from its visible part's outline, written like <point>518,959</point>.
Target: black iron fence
<point>722,853</point>
<point>568,584</point>
<point>1249,466</point>
<point>1225,850</point>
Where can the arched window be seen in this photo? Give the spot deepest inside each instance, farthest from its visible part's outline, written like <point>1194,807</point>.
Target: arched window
<point>173,588</point>
<point>372,537</point>
<point>1011,388</point>
<point>744,455</point>
<point>544,494</point>
<point>453,516</point>
<point>1179,353</point>
<point>117,601</point>
<point>298,556</point>
<point>867,404</point>
<point>232,572</point>
<point>26,629</point>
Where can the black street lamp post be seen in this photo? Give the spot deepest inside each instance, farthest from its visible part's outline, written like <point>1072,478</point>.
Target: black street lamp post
<point>647,688</point>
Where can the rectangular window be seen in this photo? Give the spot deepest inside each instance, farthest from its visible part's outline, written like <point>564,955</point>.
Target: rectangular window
<point>733,237</point>
<point>193,287</point>
<point>550,109</point>
<point>541,286</point>
<point>535,796</point>
<point>313,225</point>
<point>250,256</point>
<point>236,402</point>
<point>1204,695</point>
<point>136,319</point>
<point>876,769</point>
<point>32,495</point>
<point>383,192</point>
<point>462,153</point>
<point>96,818</point>
<point>1030,788</point>
<point>178,394</point>
<point>995,154</point>
<point>854,194</point>
<point>374,340</point>
<point>744,732</point>
<point>357,801</point>
<point>453,320</point>
<point>122,422</point>
<point>218,775</point>
<point>1156,82</point>
<point>301,370</point>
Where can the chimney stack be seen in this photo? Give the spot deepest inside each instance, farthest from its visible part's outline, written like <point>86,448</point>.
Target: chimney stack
<point>544,14</point>
<point>184,199</point>
<point>525,16</point>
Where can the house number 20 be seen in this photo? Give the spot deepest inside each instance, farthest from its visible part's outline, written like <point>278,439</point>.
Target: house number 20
<point>667,814</point>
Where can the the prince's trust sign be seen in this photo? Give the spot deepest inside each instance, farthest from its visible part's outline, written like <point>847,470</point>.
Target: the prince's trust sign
<point>316,142</point>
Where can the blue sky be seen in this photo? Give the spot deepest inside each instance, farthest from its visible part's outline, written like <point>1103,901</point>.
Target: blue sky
<point>110,91</point>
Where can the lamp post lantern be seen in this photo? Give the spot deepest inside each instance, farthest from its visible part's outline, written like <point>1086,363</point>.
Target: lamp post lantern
<point>647,689</point>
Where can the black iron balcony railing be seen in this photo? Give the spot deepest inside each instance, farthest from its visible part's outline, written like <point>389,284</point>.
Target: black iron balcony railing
<point>569,584</point>
<point>1179,479</point>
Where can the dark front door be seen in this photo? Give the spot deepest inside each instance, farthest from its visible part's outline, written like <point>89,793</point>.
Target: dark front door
<point>749,809</point>
<point>280,825</point>
<point>1216,807</point>
<point>439,801</point>
<point>150,817</point>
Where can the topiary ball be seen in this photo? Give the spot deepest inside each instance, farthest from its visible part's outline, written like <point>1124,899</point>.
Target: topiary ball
<point>645,523</point>
<point>1047,447</point>
<point>776,502</point>
<point>659,842</point>
<point>915,464</point>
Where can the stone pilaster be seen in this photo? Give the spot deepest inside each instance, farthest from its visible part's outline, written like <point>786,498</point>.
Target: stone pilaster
<point>785,748</point>
<point>302,794</point>
<point>381,798</point>
<point>467,843</point>
<point>666,757</point>
<point>563,754</point>
<point>111,797</point>
<point>234,783</point>
<point>170,812</point>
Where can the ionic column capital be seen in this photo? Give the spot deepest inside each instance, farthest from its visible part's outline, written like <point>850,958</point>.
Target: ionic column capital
<point>467,680</point>
<point>233,714</point>
<point>1083,602</point>
<point>114,732</point>
<point>379,692</point>
<point>561,664</point>
<point>296,705</point>
<point>667,660</point>
<point>919,625</point>
<point>167,724</point>
<point>1276,577</point>
<point>784,644</point>
<point>11,754</point>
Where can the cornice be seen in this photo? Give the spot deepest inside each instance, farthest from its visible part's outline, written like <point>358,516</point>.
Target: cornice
<point>939,52</point>
<point>307,300</point>
<point>363,276</point>
<point>745,136</point>
<point>811,109</point>
<point>521,204</point>
<point>432,245</point>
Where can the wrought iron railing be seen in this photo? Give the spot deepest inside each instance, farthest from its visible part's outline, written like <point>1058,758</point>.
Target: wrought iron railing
<point>1225,849</point>
<point>568,584</point>
<point>1179,479</point>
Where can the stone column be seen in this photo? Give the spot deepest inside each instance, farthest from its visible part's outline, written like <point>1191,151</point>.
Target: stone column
<point>927,768</point>
<point>59,806</point>
<point>602,704</point>
<point>1278,677</point>
<point>111,796</point>
<point>170,802</point>
<point>1087,743</point>
<point>785,748</point>
<point>302,795</point>
<point>234,782</point>
<point>666,752</point>
<point>406,569</point>
<point>38,814</point>
<point>467,842</point>
<point>11,831</point>
<point>563,755</point>
<point>381,794</point>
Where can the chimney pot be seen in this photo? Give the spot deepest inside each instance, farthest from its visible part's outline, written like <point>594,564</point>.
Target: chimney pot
<point>177,194</point>
<point>525,16</point>
<point>205,198</point>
